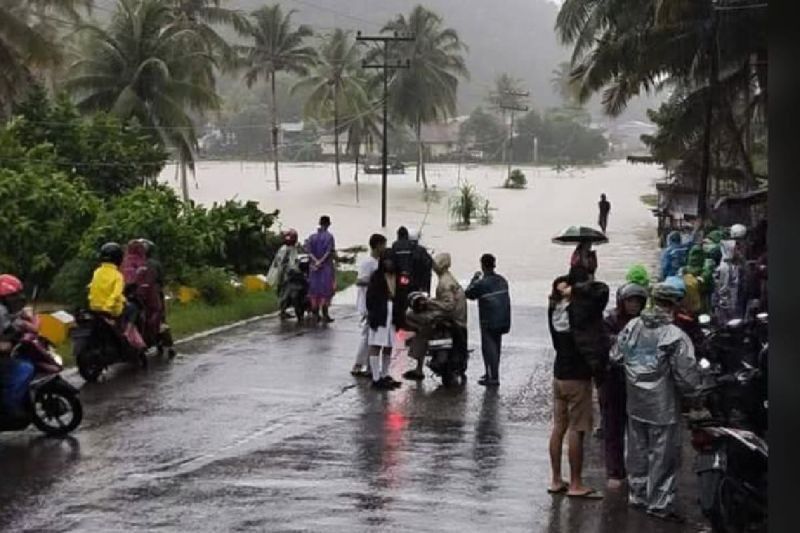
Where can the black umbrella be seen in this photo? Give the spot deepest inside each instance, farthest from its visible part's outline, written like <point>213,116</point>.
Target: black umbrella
<point>576,234</point>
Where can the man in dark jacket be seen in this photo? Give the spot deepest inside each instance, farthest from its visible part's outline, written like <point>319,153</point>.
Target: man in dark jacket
<point>494,309</point>
<point>414,266</point>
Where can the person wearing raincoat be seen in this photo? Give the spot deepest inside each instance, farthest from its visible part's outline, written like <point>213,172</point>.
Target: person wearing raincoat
<point>285,260</point>
<point>659,364</point>
<point>451,303</point>
<point>674,255</point>
<point>631,299</point>
<point>725,297</point>
<point>698,278</point>
<point>638,274</point>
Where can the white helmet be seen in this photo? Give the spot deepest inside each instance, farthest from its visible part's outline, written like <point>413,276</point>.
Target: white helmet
<point>414,234</point>
<point>738,231</point>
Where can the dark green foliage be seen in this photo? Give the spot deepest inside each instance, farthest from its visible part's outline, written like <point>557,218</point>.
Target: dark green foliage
<point>516,180</point>
<point>246,237</point>
<point>213,284</point>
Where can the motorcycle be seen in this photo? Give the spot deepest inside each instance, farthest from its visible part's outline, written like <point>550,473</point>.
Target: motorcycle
<point>51,403</point>
<point>297,287</point>
<point>97,344</point>
<point>436,334</point>
<point>732,459</point>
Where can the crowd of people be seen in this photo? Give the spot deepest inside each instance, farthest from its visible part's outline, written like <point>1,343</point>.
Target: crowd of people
<point>642,356</point>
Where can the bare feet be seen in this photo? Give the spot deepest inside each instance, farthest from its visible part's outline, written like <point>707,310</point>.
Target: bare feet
<point>582,491</point>
<point>615,484</point>
<point>557,487</point>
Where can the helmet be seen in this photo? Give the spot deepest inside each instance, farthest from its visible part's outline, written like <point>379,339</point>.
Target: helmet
<point>667,291</point>
<point>416,299</point>
<point>738,231</point>
<point>111,252</point>
<point>414,234</point>
<point>290,236</point>
<point>9,285</point>
<point>632,290</point>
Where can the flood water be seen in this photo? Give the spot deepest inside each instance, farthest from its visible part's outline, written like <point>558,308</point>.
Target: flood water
<point>523,223</point>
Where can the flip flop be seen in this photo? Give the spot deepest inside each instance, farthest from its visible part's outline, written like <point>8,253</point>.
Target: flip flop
<point>560,490</point>
<point>590,495</point>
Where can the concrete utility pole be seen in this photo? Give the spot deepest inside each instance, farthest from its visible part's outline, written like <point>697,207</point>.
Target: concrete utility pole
<point>385,66</point>
<point>513,108</point>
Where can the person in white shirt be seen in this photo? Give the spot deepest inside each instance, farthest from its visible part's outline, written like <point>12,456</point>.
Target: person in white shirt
<point>377,244</point>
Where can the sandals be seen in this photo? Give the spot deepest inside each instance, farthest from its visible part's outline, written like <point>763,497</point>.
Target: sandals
<point>560,490</point>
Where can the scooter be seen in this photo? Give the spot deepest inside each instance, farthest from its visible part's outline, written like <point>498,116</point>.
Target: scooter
<point>51,404</point>
<point>297,287</point>
<point>732,461</point>
<point>97,345</point>
<point>444,360</point>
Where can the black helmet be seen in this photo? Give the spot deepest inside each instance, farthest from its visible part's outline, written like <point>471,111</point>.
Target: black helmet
<point>111,252</point>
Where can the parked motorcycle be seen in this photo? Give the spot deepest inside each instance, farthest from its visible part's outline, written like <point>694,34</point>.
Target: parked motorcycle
<point>51,404</point>
<point>732,458</point>
<point>97,344</point>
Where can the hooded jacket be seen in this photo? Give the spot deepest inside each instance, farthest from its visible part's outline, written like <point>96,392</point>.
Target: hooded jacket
<point>674,255</point>
<point>450,296</point>
<point>105,290</point>
<point>588,302</point>
<point>659,364</point>
<point>726,284</point>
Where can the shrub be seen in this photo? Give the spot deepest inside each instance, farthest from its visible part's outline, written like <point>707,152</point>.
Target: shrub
<point>70,284</point>
<point>213,284</point>
<point>248,245</point>
<point>467,205</point>
<point>43,217</point>
<point>516,180</point>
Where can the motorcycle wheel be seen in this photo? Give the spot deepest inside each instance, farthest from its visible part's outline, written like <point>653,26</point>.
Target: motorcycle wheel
<point>50,408</point>
<point>89,364</point>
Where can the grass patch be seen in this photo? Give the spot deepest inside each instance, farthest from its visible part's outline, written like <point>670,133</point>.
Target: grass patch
<point>194,317</point>
<point>650,200</point>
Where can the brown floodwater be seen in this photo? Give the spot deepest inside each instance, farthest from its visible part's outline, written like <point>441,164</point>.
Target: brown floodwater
<point>523,223</point>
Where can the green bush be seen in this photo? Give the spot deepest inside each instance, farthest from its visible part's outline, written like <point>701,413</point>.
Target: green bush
<point>70,284</point>
<point>516,180</point>
<point>213,284</point>
<point>467,204</point>
<point>248,245</point>
<point>43,217</point>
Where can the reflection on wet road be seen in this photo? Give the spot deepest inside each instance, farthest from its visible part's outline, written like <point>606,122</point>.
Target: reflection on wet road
<point>263,429</point>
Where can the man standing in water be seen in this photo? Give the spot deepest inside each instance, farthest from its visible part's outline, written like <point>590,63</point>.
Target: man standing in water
<point>494,310</point>
<point>321,246</point>
<point>605,208</point>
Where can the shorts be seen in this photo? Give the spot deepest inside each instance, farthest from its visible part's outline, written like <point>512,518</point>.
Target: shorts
<point>572,404</point>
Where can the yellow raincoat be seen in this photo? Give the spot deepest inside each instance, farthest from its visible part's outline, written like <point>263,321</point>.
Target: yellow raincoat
<point>105,290</point>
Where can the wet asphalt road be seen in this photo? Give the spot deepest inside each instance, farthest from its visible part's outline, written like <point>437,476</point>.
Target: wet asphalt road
<point>263,429</point>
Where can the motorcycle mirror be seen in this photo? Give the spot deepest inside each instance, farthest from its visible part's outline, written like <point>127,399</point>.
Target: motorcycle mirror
<point>704,320</point>
<point>705,364</point>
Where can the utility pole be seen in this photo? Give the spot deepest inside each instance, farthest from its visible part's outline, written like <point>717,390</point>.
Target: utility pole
<point>705,169</point>
<point>512,108</point>
<point>385,66</point>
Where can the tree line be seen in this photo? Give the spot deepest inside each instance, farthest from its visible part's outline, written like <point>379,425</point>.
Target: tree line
<point>157,62</point>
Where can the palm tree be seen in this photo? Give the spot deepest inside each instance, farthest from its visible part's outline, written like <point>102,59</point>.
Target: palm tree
<point>563,84</point>
<point>203,15</point>
<point>427,90</point>
<point>276,47</point>
<point>334,81</point>
<point>146,67</point>
<point>28,41</point>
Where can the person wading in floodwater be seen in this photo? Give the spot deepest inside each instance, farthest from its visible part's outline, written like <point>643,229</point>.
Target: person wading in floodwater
<point>605,208</point>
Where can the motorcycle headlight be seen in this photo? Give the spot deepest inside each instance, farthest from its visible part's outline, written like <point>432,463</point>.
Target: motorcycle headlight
<point>704,364</point>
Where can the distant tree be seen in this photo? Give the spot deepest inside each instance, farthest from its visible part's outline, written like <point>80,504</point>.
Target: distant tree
<point>276,46</point>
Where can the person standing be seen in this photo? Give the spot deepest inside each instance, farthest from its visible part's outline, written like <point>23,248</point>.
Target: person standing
<point>659,363</point>
<point>421,263</point>
<point>321,247</point>
<point>382,318</point>
<point>377,245</point>
<point>576,327</point>
<point>674,255</point>
<point>631,299</point>
<point>278,275</point>
<point>605,208</point>
<point>494,309</point>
